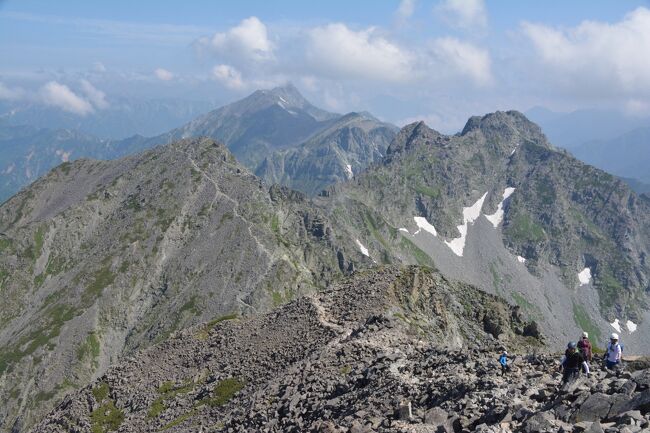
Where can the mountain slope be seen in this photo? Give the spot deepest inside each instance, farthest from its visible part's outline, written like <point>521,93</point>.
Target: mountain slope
<point>100,258</point>
<point>499,207</point>
<point>351,144</point>
<point>391,350</point>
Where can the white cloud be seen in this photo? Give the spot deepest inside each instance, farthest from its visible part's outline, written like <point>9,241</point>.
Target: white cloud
<point>464,14</point>
<point>247,41</point>
<point>463,58</point>
<point>94,95</point>
<point>337,51</point>
<point>9,93</point>
<point>60,95</point>
<point>405,10</point>
<point>597,58</point>
<point>163,74</point>
<point>228,76</point>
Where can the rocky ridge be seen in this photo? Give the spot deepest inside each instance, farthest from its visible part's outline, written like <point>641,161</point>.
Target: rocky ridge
<point>386,350</point>
<point>101,258</point>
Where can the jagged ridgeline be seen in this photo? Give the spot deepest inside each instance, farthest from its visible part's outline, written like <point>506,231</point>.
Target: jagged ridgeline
<point>498,206</point>
<point>100,258</point>
<point>344,356</point>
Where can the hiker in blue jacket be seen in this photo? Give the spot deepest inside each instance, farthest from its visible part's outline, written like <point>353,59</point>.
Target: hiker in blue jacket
<point>503,360</point>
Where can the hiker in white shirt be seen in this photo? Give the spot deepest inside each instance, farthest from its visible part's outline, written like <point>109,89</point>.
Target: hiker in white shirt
<point>614,352</point>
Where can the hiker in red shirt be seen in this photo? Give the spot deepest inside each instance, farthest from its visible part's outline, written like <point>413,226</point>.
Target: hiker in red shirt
<point>584,346</point>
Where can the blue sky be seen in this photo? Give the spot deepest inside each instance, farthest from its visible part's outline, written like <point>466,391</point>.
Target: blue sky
<point>440,61</point>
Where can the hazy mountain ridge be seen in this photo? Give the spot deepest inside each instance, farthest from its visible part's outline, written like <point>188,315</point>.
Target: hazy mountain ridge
<point>627,155</point>
<point>99,258</point>
<point>121,117</point>
<point>608,139</point>
<point>28,152</point>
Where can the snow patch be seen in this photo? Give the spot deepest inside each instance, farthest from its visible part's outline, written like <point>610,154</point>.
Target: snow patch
<point>402,229</point>
<point>631,326</point>
<point>584,276</point>
<point>423,224</point>
<point>282,99</point>
<point>521,259</point>
<point>470,214</point>
<point>363,249</point>
<point>616,325</point>
<point>497,217</point>
<point>348,170</point>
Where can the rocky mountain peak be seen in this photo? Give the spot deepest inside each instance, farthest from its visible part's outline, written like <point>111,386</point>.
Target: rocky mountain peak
<point>506,125</point>
<point>290,95</point>
<point>411,135</point>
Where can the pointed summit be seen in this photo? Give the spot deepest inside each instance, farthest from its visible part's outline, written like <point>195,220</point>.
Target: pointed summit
<point>412,135</point>
<point>290,95</point>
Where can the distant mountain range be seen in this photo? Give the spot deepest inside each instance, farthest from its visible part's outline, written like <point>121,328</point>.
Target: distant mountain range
<point>276,133</point>
<point>284,139</point>
<point>29,152</point>
<point>607,139</point>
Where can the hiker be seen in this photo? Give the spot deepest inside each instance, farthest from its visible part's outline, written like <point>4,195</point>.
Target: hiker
<point>584,346</point>
<point>614,352</point>
<point>572,362</point>
<point>503,360</point>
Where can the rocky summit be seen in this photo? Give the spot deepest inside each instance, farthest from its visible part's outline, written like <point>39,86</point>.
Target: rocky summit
<point>388,350</point>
